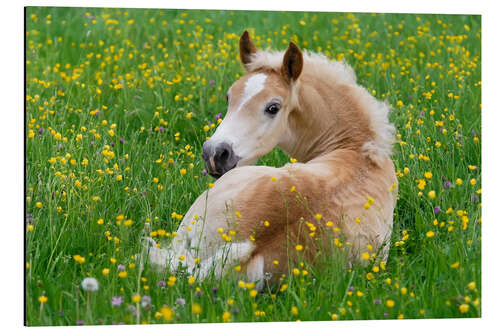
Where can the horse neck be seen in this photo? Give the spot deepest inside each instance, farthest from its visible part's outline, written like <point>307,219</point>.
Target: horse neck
<point>327,119</point>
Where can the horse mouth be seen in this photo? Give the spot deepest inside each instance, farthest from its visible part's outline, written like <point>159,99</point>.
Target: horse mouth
<point>217,173</point>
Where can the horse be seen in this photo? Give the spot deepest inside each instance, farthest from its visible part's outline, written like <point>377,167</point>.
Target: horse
<point>340,184</point>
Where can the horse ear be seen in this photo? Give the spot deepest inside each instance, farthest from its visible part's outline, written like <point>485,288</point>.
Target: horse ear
<point>247,48</point>
<point>292,63</point>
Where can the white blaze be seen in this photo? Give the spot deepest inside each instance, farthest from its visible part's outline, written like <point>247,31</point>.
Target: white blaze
<point>253,86</point>
<point>230,128</point>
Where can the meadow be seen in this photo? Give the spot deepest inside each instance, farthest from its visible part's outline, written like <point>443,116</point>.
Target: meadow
<point>119,103</point>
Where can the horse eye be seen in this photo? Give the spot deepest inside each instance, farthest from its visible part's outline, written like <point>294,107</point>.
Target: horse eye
<point>273,108</point>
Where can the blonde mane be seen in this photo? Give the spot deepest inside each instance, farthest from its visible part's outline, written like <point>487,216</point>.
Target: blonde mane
<point>319,65</point>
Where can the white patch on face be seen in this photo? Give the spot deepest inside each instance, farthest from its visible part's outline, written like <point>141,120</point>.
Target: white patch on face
<point>253,86</point>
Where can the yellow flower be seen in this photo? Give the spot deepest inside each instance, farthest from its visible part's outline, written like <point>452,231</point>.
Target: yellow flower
<point>428,175</point>
<point>105,271</point>
<point>226,316</point>
<point>365,256</point>
<point>79,259</point>
<point>429,233</point>
<point>369,276</point>
<point>463,308</point>
<point>431,194</point>
<point>459,181</point>
<point>191,280</point>
<point>38,204</point>
<point>43,299</point>
<point>295,310</point>
<point>253,293</point>
<point>30,227</point>
<point>390,303</point>
<point>123,274</point>
<point>471,285</point>
<point>136,298</point>
<point>183,171</point>
<point>335,316</point>
<point>167,313</point>
<point>473,182</point>
<point>299,247</point>
<point>196,309</point>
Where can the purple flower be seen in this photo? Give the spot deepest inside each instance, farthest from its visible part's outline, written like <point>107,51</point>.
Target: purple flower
<point>41,130</point>
<point>458,135</point>
<point>146,302</point>
<point>97,112</point>
<point>218,116</point>
<point>112,143</point>
<point>79,322</point>
<point>122,140</point>
<point>437,210</point>
<point>447,184</point>
<point>214,290</point>
<point>116,301</point>
<point>377,301</point>
<point>386,314</point>
<point>422,113</point>
<point>120,268</point>
<point>204,172</point>
<point>474,198</point>
<point>161,129</point>
<point>161,284</point>
<point>211,82</point>
<point>132,308</point>
<point>91,143</point>
<point>180,301</point>
<point>351,288</point>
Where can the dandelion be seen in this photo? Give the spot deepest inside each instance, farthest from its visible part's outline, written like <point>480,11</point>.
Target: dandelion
<point>431,194</point>
<point>390,303</point>
<point>299,247</point>
<point>463,308</point>
<point>429,234</point>
<point>90,284</point>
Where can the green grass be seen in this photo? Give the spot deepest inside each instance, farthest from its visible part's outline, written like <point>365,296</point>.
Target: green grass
<point>147,76</point>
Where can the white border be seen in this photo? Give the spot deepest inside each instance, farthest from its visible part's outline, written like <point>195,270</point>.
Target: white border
<point>11,301</point>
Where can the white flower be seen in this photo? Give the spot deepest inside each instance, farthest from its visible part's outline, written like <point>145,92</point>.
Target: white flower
<point>90,284</point>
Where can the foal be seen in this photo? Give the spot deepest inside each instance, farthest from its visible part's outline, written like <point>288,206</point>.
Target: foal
<point>342,187</point>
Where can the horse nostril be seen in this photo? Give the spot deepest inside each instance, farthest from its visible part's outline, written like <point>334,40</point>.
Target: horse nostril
<point>223,154</point>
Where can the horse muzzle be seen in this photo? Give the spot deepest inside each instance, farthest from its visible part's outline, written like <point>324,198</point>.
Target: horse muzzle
<point>219,158</point>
